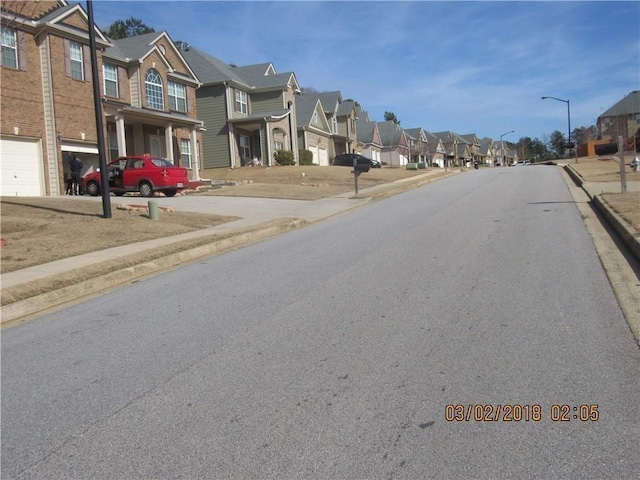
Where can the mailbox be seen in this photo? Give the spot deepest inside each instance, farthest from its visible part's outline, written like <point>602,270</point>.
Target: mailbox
<point>361,167</point>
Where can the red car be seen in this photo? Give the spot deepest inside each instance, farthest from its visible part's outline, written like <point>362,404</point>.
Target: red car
<point>142,174</point>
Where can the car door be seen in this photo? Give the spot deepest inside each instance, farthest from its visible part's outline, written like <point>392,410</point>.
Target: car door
<point>133,173</point>
<point>115,171</point>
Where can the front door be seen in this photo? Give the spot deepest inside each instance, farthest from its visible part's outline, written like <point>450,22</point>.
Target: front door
<point>157,146</point>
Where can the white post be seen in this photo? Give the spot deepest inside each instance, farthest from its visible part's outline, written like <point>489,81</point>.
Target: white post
<point>623,173</point>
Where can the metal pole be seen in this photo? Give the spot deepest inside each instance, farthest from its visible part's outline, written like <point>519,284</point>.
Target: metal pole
<point>623,173</point>
<point>104,178</point>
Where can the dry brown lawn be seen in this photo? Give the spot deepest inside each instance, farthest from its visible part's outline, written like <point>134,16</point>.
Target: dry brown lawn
<point>45,229</point>
<point>301,183</point>
<point>607,169</point>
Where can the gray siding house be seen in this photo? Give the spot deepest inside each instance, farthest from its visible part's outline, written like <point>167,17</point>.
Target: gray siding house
<point>248,112</point>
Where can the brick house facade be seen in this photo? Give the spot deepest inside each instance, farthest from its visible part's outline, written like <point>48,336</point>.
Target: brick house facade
<point>48,109</point>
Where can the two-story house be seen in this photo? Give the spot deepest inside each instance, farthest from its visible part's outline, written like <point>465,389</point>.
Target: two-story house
<point>46,96</point>
<point>369,141</point>
<point>342,117</point>
<point>395,144</point>
<point>248,111</point>
<point>314,131</point>
<point>147,95</point>
<point>149,101</point>
<point>419,146</point>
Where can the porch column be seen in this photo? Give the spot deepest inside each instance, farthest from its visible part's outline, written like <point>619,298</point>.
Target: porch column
<point>268,132</point>
<point>120,136</point>
<point>168,139</point>
<point>195,173</point>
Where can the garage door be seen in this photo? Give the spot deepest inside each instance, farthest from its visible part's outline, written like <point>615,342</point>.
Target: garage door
<point>21,160</point>
<point>314,150</point>
<point>323,157</point>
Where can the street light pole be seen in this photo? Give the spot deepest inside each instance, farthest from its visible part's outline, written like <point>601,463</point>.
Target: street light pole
<point>575,149</point>
<point>502,146</point>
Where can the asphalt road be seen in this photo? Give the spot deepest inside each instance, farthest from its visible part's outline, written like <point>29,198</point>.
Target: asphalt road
<point>334,351</point>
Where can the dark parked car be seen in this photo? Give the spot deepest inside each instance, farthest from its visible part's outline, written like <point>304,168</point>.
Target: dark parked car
<point>142,174</point>
<point>346,160</point>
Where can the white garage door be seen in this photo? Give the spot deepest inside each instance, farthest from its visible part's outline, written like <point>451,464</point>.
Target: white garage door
<point>314,150</point>
<point>21,176</point>
<point>323,157</point>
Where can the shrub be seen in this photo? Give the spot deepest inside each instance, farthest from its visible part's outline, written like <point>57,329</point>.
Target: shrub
<point>306,157</point>
<point>285,157</point>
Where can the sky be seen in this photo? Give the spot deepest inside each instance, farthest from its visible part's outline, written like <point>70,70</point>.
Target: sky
<point>468,67</point>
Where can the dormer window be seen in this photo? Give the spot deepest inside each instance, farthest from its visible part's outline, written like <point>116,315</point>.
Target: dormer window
<point>241,102</point>
<point>154,90</point>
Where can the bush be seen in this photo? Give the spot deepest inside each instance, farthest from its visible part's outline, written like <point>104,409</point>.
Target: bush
<point>306,157</point>
<point>285,157</point>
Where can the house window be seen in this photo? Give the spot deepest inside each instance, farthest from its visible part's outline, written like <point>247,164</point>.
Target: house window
<point>241,102</point>
<point>9,48</point>
<point>110,74</point>
<point>153,87</point>
<point>315,118</point>
<point>278,146</point>
<point>334,125</point>
<point>245,148</point>
<point>185,151</point>
<point>177,97</point>
<point>77,62</point>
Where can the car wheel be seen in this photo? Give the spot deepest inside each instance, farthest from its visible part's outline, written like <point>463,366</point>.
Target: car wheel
<point>145,189</point>
<point>93,188</point>
<point>170,193</point>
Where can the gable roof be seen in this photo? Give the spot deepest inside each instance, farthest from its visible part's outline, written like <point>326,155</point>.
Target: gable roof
<point>211,70</point>
<point>391,134</point>
<point>305,106</point>
<point>630,104</point>
<point>136,49</point>
<point>54,19</point>
<point>330,100</point>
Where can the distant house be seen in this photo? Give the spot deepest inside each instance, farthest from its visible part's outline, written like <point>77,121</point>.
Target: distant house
<point>435,150</point>
<point>314,132</point>
<point>474,147</point>
<point>458,150</point>
<point>488,151</point>
<point>247,111</point>
<point>369,141</point>
<point>622,119</point>
<point>395,144</point>
<point>418,145</point>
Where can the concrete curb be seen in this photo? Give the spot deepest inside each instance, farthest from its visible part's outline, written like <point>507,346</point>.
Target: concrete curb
<point>58,297</point>
<point>622,228</point>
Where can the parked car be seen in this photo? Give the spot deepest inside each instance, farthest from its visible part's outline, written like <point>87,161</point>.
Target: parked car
<point>346,160</point>
<point>522,163</point>
<point>144,174</point>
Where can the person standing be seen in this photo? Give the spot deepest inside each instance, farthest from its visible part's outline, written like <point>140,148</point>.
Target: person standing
<point>75,165</point>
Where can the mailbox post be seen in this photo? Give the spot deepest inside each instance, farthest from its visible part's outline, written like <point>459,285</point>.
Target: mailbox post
<point>358,168</point>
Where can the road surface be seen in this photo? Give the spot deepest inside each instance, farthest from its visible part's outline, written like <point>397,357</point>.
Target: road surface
<point>465,329</point>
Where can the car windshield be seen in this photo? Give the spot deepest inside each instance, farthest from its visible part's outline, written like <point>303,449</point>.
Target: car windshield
<point>161,162</point>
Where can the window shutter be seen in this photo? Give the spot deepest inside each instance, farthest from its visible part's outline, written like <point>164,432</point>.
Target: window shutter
<point>86,58</point>
<point>187,90</point>
<point>67,57</point>
<point>121,74</point>
<point>22,51</point>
